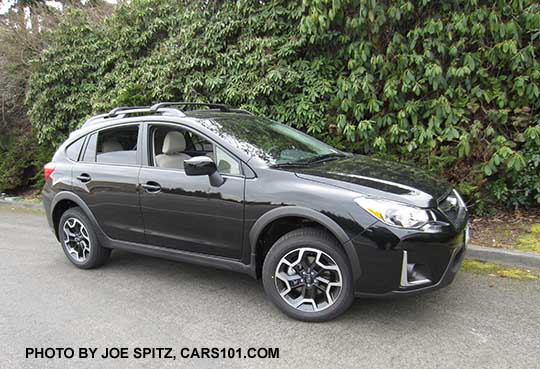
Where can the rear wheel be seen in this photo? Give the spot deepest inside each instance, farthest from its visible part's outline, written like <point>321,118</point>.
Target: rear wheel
<point>79,240</point>
<point>306,274</point>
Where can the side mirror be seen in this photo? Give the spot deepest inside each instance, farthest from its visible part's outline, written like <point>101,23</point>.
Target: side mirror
<point>203,166</point>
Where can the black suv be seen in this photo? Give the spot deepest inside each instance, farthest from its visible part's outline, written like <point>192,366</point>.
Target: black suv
<point>222,187</point>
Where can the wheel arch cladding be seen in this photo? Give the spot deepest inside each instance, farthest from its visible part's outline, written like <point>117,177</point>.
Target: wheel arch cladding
<point>66,200</point>
<point>263,225</point>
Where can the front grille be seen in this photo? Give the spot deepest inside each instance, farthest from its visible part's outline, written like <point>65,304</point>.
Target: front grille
<point>450,207</point>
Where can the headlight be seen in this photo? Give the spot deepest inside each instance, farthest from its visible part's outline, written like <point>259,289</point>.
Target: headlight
<point>394,213</point>
<point>452,199</point>
<point>452,203</point>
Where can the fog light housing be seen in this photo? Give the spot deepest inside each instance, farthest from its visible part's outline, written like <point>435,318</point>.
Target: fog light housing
<point>413,274</point>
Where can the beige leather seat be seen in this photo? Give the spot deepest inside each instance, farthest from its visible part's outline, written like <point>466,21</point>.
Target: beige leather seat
<point>173,156</point>
<point>113,152</point>
<point>110,146</point>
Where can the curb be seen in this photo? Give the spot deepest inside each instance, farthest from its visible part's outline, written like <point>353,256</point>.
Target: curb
<point>505,257</point>
<point>21,204</point>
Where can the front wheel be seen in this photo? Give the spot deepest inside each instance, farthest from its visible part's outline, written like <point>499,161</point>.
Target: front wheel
<point>306,274</point>
<point>79,240</point>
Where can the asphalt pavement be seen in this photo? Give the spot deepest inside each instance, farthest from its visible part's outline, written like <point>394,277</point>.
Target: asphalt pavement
<point>141,302</point>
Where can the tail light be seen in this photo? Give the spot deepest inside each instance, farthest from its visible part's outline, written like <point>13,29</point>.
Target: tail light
<point>48,169</point>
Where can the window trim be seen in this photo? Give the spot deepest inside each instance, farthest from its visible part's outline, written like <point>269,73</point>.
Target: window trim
<point>150,147</point>
<point>81,149</point>
<point>83,152</point>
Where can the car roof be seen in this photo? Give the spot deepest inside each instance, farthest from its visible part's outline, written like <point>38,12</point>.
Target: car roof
<point>209,114</point>
<point>163,108</point>
<point>193,117</point>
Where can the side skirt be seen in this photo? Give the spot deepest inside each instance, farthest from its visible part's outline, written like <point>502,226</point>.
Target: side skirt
<point>183,256</point>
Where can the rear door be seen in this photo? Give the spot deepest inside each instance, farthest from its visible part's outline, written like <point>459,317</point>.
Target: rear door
<point>106,178</point>
<point>185,212</point>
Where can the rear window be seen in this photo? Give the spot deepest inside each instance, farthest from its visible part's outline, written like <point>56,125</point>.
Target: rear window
<point>113,146</point>
<point>73,150</point>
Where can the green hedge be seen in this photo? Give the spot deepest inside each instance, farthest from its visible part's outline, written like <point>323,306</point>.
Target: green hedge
<point>453,86</point>
<point>16,157</point>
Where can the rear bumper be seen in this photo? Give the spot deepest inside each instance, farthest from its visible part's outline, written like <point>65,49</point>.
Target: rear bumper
<point>46,197</point>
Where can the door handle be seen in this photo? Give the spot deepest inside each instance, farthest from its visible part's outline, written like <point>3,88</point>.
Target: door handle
<point>151,187</point>
<point>84,178</point>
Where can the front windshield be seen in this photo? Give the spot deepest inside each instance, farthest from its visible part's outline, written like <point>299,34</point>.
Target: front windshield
<point>273,142</point>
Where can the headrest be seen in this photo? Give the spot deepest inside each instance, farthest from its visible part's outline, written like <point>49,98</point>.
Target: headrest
<point>109,146</point>
<point>174,142</point>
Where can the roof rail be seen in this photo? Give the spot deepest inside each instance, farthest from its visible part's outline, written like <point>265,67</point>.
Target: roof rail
<point>119,109</point>
<point>241,111</point>
<point>221,107</point>
<point>166,108</point>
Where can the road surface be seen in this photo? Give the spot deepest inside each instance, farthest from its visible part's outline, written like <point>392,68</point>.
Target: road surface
<point>136,301</point>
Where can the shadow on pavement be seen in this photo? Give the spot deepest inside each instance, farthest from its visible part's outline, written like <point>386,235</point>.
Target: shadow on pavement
<point>130,265</point>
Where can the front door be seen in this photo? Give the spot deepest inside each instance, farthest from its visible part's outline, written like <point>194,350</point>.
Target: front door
<point>186,212</point>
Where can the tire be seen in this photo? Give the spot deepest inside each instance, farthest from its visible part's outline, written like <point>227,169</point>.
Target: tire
<point>308,242</point>
<point>88,253</point>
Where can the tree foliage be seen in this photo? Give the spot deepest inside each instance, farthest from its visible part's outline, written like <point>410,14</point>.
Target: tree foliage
<point>23,35</point>
<point>20,44</point>
<point>453,86</point>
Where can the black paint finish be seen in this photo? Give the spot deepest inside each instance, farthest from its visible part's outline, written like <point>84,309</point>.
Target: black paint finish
<point>164,212</point>
<point>189,214</point>
<point>380,178</point>
<point>112,196</point>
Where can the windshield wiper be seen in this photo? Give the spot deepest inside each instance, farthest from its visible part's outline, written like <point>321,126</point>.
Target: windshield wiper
<point>324,157</point>
<point>289,164</point>
<point>308,161</point>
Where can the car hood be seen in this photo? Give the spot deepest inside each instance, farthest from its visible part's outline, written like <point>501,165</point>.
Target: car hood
<point>380,178</point>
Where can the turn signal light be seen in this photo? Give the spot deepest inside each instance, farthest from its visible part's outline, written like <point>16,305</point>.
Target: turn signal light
<point>48,169</point>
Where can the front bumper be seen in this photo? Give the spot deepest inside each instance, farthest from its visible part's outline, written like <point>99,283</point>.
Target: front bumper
<point>447,278</point>
<point>407,264</point>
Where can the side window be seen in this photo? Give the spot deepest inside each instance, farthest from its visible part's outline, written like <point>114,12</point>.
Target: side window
<point>226,164</point>
<point>90,151</point>
<point>200,143</point>
<point>73,150</point>
<point>117,145</point>
<point>171,146</point>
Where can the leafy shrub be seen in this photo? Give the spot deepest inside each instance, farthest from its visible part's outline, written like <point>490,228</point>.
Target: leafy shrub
<point>23,35</point>
<point>16,154</point>
<point>453,86</point>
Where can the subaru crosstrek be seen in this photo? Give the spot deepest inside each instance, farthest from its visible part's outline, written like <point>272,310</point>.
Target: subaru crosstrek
<point>222,187</point>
